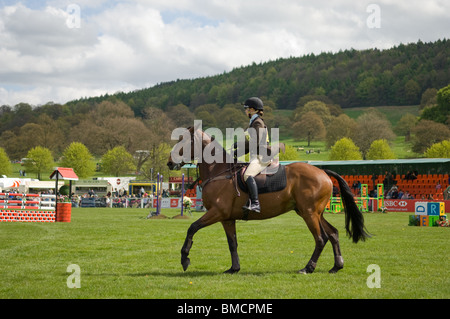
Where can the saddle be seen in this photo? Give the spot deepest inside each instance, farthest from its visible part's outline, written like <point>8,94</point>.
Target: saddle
<point>272,179</point>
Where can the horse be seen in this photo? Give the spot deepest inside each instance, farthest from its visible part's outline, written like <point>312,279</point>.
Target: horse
<point>307,192</point>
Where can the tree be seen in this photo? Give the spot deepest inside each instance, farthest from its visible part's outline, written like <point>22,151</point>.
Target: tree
<point>412,91</point>
<point>231,116</point>
<point>103,130</point>
<point>5,164</point>
<point>345,150</point>
<point>380,150</point>
<point>405,125</point>
<point>78,157</point>
<point>427,133</point>
<point>51,136</point>
<point>341,126</point>
<point>157,162</point>
<point>317,107</point>
<point>366,91</point>
<point>429,98</point>
<point>309,127</point>
<point>441,112</point>
<point>290,154</point>
<point>372,126</point>
<point>439,150</point>
<point>8,140</point>
<point>160,127</point>
<point>39,160</point>
<point>181,115</point>
<point>117,161</point>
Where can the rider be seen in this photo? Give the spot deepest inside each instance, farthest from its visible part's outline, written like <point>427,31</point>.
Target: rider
<point>254,109</point>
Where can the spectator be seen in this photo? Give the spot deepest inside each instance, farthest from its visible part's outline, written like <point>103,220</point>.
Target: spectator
<point>394,194</point>
<point>438,186</point>
<point>410,176</point>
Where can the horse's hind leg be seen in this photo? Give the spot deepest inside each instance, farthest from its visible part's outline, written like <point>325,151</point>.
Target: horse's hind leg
<point>320,237</point>
<point>333,235</point>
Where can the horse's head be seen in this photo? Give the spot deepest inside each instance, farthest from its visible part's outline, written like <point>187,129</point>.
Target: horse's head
<point>174,166</point>
<point>194,144</point>
<point>189,139</point>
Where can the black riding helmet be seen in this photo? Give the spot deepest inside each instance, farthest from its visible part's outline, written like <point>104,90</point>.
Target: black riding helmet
<point>254,103</point>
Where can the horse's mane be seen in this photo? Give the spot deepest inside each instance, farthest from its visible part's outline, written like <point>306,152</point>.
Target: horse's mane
<point>205,139</point>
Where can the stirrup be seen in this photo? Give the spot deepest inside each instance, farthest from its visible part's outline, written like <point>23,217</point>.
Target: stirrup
<point>252,207</point>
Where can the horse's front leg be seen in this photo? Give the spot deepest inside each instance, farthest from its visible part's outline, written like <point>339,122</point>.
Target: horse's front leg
<point>230,229</point>
<point>209,218</point>
<point>195,227</point>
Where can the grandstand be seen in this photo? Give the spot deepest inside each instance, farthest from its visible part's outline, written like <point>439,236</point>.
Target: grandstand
<point>430,172</point>
<point>420,188</point>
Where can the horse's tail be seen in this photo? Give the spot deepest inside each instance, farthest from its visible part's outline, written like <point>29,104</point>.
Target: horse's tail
<point>354,220</point>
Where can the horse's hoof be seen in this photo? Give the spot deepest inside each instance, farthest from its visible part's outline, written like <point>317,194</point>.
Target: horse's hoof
<point>309,268</point>
<point>232,271</point>
<point>185,263</point>
<point>306,270</point>
<point>335,270</point>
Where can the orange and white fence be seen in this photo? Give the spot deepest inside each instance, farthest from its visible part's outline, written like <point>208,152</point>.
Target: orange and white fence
<point>27,201</point>
<point>27,216</point>
<point>16,207</point>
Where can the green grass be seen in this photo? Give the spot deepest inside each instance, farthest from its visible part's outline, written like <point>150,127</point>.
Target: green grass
<point>123,255</point>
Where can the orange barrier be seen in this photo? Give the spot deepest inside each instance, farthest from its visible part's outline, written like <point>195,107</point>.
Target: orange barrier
<point>27,216</point>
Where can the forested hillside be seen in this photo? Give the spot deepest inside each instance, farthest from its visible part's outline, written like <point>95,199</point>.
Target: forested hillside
<point>397,76</point>
<point>304,97</point>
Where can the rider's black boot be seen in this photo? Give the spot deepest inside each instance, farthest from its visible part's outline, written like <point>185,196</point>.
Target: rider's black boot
<point>253,202</point>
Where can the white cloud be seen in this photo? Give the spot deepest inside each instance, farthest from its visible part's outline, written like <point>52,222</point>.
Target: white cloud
<point>125,45</point>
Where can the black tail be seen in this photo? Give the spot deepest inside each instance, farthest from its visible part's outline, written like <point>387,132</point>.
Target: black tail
<point>354,220</point>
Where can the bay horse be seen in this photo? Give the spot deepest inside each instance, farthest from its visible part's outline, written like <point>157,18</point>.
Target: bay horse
<point>307,191</point>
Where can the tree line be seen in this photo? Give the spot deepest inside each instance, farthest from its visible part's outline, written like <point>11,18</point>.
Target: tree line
<point>141,122</point>
<point>350,78</point>
<point>123,143</point>
<point>369,135</point>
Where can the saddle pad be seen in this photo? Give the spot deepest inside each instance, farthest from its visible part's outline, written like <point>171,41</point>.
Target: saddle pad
<point>269,184</point>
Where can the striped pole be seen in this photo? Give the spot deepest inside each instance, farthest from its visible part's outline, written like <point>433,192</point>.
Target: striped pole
<point>160,193</point>
<point>157,194</point>
<point>182,193</point>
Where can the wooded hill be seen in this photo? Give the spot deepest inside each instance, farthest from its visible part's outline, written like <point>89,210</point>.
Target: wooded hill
<point>303,96</point>
<point>396,76</point>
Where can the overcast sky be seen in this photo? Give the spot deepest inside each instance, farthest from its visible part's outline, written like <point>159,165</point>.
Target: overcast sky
<point>58,50</point>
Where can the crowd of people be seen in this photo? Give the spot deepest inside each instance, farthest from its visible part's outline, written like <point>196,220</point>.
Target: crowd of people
<point>394,191</point>
<point>118,198</point>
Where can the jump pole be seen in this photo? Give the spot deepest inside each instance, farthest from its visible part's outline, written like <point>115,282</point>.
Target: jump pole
<point>182,193</point>
<point>157,194</point>
<point>160,193</point>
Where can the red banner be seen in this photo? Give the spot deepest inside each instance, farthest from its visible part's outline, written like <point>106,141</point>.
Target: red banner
<point>408,205</point>
<point>174,202</point>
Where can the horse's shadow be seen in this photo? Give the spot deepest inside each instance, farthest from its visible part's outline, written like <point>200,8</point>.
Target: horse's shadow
<point>200,273</point>
<point>175,274</point>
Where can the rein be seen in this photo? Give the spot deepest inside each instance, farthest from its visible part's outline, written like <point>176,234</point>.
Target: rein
<point>219,176</point>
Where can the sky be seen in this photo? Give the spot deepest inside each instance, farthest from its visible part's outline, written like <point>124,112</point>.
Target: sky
<point>61,50</point>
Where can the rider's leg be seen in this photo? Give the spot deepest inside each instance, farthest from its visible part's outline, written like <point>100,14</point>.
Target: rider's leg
<point>254,168</point>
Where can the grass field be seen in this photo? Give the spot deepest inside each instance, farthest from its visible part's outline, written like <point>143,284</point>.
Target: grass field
<point>123,255</point>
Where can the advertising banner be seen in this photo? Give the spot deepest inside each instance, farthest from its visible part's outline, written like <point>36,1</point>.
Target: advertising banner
<point>173,202</point>
<point>409,205</point>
